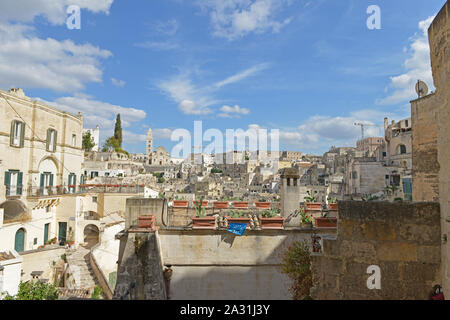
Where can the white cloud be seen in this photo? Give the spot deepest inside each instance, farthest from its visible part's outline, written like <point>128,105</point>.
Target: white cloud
<point>27,61</point>
<point>417,66</point>
<point>163,133</point>
<point>98,112</point>
<point>169,27</point>
<point>197,100</point>
<point>118,83</point>
<point>233,19</point>
<point>53,10</point>
<point>242,75</point>
<point>129,137</point>
<point>230,112</point>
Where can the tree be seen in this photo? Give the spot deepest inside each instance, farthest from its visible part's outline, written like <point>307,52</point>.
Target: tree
<point>118,130</point>
<point>111,144</point>
<point>297,265</point>
<point>38,290</point>
<point>88,142</point>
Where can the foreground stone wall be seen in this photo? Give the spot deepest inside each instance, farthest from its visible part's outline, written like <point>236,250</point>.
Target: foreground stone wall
<point>403,239</point>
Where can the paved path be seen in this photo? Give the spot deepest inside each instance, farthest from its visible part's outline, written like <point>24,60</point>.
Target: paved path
<point>79,264</point>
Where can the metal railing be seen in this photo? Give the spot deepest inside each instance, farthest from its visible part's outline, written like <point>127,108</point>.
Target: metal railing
<point>12,191</point>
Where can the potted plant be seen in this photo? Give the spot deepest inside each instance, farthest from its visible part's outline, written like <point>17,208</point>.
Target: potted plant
<point>220,204</point>
<point>305,218</point>
<point>325,221</point>
<point>201,221</point>
<point>270,219</point>
<point>332,203</point>
<point>240,204</point>
<point>203,202</point>
<point>262,204</point>
<point>180,203</point>
<point>311,202</point>
<point>238,217</point>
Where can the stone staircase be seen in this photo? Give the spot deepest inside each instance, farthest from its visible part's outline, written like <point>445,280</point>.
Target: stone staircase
<point>83,275</point>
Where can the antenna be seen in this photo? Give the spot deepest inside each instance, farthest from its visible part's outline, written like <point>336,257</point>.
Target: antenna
<point>421,88</point>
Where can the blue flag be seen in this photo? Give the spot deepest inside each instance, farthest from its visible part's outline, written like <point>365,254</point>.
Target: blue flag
<point>237,228</point>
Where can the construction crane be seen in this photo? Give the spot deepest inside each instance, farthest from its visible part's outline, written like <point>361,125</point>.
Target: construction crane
<point>362,125</point>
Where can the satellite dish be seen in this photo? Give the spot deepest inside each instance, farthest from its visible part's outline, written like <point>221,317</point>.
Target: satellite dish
<point>421,88</point>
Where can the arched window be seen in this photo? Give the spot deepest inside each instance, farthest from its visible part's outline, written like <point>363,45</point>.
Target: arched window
<point>401,149</point>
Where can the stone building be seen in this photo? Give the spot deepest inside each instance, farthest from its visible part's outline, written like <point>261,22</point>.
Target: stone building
<point>40,156</point>
<point>369,146</point>
<point>95,134</point>
<point>430,116</point>
<point>149,146</point>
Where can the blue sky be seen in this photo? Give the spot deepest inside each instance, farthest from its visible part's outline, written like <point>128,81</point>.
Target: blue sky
<point>308,68</point>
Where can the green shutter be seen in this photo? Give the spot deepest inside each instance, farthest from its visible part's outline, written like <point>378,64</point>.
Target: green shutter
<point>11,137</point>
<point>42,183</point>
<point>19,183</point>
<point>55,141</point>
<point>51,180</point>
<point>7,181</point>
<point>22,134</point>
<point>48,139</point>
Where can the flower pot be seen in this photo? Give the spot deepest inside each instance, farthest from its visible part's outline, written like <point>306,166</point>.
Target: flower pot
<point>271,223</point>
<point>240,204</point>
<point>204,223</point>
<point>220,204</point>
<point>326,222</point>
<point>314,206</point>
<point>146,222</point>
<point>308,225</point>
<point>204,203</point>
<point>180,203</point>
<point>332,206</point>
<point>239,220</point>
<point>262,205</point>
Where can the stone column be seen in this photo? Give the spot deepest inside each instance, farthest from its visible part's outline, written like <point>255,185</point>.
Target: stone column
<point>290,196</point>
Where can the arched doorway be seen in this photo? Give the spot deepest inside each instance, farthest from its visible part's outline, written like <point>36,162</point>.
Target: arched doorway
<point>91,235</point>
<point>19,241</point>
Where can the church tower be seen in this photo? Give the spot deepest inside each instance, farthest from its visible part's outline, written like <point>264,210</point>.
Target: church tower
<point>149,142</point>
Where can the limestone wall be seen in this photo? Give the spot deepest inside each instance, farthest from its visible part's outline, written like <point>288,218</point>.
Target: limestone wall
<point>403,239</point>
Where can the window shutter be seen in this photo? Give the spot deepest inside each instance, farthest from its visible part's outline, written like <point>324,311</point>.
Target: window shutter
<point>11,137</point>
<point>7,181</point>
<point>51,180</point>
<point>48,140</point>
<point>19,183</point>
<point>22,134</point>
<point>55,141</point>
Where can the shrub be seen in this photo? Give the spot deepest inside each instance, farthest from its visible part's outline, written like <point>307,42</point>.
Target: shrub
<point>296,264</point>
<point>34,291</point>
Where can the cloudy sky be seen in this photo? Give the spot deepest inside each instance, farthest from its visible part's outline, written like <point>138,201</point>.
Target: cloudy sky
<point>310,68</point>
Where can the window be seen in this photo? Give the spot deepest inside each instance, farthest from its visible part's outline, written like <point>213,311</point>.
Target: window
<point>402,149</point>
<point>46,183</point>
<point>354,175</point>
<point>51,140</point>
<point>17,134</point>
<point>384,154</point>
<point>94,199</point>
<point>13,182</point>
<point>74,140</point>
<point>72,180</point>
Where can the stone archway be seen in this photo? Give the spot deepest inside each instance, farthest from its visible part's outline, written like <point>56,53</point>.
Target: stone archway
<point>91,235</point>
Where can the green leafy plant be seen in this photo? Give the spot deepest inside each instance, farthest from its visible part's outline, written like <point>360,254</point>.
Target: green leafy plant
<point>269,213</point>
<point>64,257</point>
<point>97,293</point>
<point>237,214</point>
<point>304,216</point>
<point>200,210</point>
<point>296,263</point>
<point>31,290</point>
<point>310,197</point>
<point>332,200</point>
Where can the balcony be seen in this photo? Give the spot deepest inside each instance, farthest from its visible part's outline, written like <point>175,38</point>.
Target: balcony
<point>38,192</point>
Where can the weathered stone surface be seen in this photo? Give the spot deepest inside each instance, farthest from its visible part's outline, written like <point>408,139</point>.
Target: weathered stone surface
<point>402,239</point>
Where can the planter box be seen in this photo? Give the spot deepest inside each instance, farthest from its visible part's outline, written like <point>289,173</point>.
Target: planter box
<point>326,222</point>
<point>204,203</point>
<point>262,205</point>
<point>271,223</point>
<point>240,204</point>
<point>332,206</point>
<point>239,220</point>
<point>314,206</point>
<point>220,204</point>
<point>204,223</point>
<point>180,203</point>
<point>146,222</point>
<point>306,225</point>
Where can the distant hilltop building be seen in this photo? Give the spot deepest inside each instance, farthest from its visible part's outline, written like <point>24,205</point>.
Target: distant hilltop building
<point>149,142</point>
<point>95,134</point>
